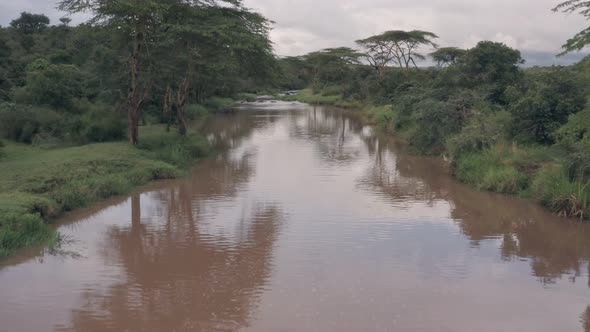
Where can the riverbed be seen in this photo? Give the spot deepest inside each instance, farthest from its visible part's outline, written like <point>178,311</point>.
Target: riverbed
<point>308,221</point>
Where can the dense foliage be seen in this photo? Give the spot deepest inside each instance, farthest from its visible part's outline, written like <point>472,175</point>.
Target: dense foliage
<point>504,127</point>
<point>75,84</point>
<point>135,64</point>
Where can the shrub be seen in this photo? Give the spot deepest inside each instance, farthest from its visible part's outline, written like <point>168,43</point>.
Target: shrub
<point>21,230</point>
<point>21,123</point>
<point>501,168</point>
<point>246,96</point>
<point>546,106</point>
<point>481,132</point>
<point>503,179</point>
<point>574,139</point>
<point>195,111</point>
<point>383,116</point>
<point>553,188</point>
<point>53,85</point>
<point>174,148</point>
<point>218,103</point>
<point>97,123</point>
<point>332,90</point>
<point>104,129</point>
<point>435,121</point>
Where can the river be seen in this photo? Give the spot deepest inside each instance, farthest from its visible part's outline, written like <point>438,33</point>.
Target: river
<point>309,221</point>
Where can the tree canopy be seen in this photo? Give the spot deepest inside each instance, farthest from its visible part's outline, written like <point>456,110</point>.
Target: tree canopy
<point>582,38</point>
<point>447,56</point>
<point>398,47</point>
<point>29,23</point>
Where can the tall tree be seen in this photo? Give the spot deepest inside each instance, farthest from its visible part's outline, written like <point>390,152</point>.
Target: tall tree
<point>29,23</point>
<point>397,46</point>
<point>582,38</point>
<point>447,56</point>
<point>330,64</point>
<point>136,22</point>
<point>492,65</point>
<point>230,37</point>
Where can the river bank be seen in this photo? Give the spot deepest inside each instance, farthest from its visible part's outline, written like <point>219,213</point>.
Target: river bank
<point>538,173</point>
<point>37,185</point>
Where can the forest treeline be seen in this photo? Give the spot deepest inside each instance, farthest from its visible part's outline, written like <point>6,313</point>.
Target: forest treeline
<point>504,127</point>
<point>156,62</point>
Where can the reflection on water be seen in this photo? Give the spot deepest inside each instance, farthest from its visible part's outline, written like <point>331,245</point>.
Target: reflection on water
<point>308,221</point>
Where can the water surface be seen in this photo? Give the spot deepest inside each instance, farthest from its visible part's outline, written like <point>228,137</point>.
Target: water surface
<point>308,222</point>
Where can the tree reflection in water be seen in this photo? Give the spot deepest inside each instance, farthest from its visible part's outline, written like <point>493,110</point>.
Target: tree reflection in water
<point>179,275</point>
<point>180,278</point>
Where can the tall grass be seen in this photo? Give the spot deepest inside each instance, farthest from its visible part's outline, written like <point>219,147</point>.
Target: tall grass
<point>566,197</point>
<point>309,97</point>
<point>500,169</point>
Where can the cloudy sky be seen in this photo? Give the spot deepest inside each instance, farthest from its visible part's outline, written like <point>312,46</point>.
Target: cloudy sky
<point>302,26</point>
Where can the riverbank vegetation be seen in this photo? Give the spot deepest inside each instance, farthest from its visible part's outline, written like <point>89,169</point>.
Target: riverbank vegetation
<point>503,127</point>
<point>70,96</point>
<point>140,71</point>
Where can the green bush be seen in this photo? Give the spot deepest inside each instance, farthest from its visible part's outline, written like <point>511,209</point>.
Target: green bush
<point>332,90</point>
<point>21,123</point>
<point>174,148</point>
<point>22,230</point>
<point>246,96</point>
<point>546,106</point>
<point>383,116</point>
<point>55,85</point>
<point>97,123</point>
<point>574,139</point>
<point>195,111</point>
<point>481,132</point>
<point>503,179</point>
<point>500,168</point>
<point>553,188</point>
<point>218,104</point>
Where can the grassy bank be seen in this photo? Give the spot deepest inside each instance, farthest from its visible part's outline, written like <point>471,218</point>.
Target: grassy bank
<point>322,98</point>
<point>37,184</point>
<point>482,156</point>
<point>536,173</point>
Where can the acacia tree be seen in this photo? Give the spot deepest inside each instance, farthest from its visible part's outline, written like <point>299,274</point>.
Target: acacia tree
<point>29,23</point>
<point>397,47</point>
<point>447,56</point>
<point>136,22</point>
<point>582,38</point>
<point>224,36</point>
<point>329,63</point>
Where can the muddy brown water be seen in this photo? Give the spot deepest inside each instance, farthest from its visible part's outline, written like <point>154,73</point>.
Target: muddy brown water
<point>308,222</point>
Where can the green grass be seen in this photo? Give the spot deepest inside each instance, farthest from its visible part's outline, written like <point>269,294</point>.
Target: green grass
<point>553,188</point>
<point>307,96</point>
<point>502,168</point>
<point>384,117</point>
<point>37,185</point>
<point>534,172</point>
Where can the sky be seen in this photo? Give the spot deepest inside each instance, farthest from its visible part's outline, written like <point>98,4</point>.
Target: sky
<point>302,26</point>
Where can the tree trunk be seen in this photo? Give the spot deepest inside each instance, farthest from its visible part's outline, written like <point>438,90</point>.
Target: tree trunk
<point>182,95</point>
<point>134,96</point>
<point>168,107</point>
